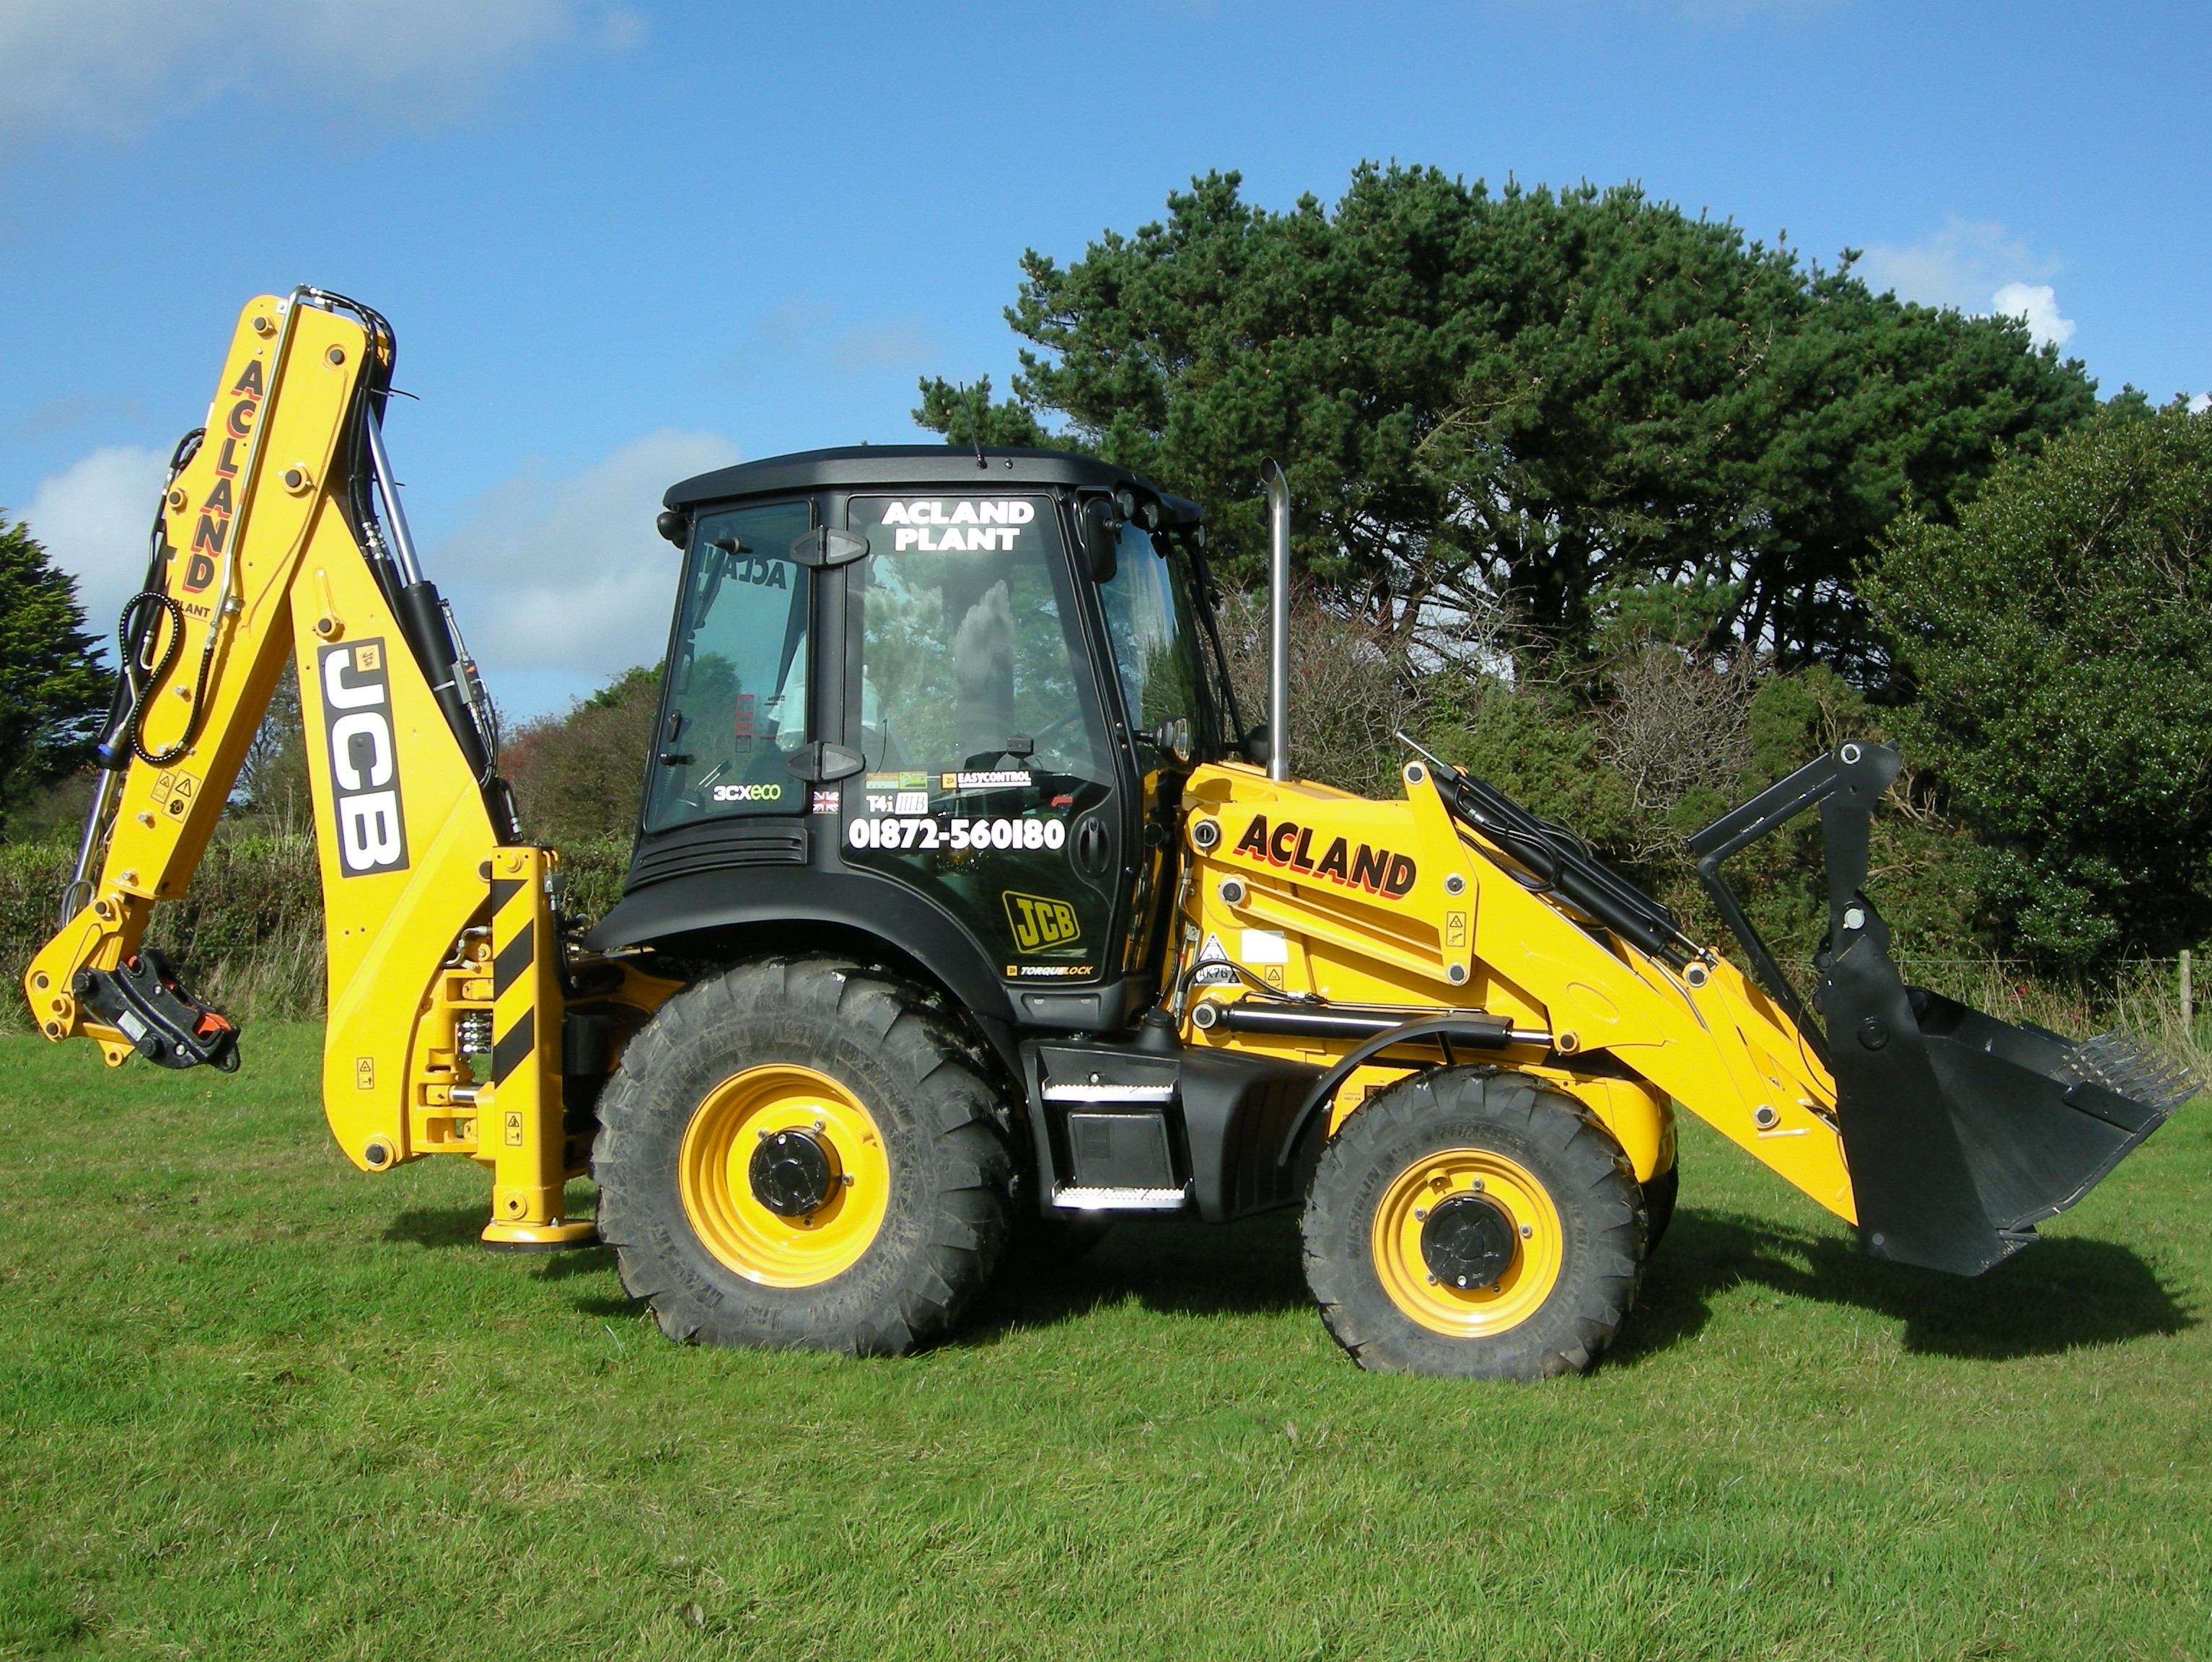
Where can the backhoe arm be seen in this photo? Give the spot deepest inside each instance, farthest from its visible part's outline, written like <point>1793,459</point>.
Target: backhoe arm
<point>440,937</point>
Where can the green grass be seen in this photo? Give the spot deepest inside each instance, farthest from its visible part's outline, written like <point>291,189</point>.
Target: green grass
<point>253,1404</point>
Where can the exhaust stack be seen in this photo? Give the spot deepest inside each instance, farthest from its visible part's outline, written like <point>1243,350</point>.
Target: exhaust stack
<point>1279,622</point>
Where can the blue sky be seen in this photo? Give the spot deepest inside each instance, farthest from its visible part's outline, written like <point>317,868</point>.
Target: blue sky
<point>621,242</point>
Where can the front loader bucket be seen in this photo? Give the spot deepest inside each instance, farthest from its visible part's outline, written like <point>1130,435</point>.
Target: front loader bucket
<point>1962,1133</point>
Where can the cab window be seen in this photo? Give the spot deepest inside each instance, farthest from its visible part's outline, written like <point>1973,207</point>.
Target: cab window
<point>1149,620</point>
<point>735,706</point>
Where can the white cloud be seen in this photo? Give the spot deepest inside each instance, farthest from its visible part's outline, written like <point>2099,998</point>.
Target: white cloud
<point>565,580</point>
<point>1958,265</point>
<point>1972,264</point>
<point>884,346</point>
<point>2200,403</point>
<point>94,520</point>
<point>112,68</point>
<point>2035,305</point>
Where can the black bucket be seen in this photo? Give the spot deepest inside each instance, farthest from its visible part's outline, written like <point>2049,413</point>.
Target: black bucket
<point>1962,1133</point>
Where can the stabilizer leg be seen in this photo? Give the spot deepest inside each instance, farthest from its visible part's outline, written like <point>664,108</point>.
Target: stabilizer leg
<point>527,1149</point>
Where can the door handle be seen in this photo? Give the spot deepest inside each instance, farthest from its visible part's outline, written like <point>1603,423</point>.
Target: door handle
<point>1094,850</point>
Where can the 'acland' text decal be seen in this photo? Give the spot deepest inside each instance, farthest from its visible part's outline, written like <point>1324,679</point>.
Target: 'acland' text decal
<point>1350,865</point>
<point>213,531</point>
<point>364,763</point>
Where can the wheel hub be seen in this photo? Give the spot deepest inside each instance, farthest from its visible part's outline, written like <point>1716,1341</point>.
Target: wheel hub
<point>1468,1241</point>
<point>792,1172</point>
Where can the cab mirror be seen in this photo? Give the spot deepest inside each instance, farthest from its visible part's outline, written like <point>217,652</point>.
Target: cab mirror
<point>1098,529</point>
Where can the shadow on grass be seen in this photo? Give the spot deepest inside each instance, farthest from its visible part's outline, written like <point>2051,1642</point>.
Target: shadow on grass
<point>444,1228</point>
<point>2051,1297</point>
<point>438,1226</point>
<point>1176,1267</point>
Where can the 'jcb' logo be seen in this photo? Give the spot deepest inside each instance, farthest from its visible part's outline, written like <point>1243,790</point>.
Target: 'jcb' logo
<point>1039,921</point>
<point>364,767</point>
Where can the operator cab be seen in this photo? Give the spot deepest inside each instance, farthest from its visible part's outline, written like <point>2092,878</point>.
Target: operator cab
<point>939,697</point>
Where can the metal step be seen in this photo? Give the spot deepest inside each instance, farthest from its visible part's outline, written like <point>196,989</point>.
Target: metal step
<point>1120,1200</point>
<point>1149,1096</point>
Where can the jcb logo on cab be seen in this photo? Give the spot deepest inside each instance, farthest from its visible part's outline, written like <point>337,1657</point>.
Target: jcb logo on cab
<point>1039,921</point>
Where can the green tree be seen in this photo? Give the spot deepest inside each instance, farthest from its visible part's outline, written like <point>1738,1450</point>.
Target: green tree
<point>1558,400</point>
<point>579,777</point>
<point>2057,635</point>
<point>53,689</point>
<point>966,415</point>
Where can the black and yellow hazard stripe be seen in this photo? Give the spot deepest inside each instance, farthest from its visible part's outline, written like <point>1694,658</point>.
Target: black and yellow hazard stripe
<point>514,979</point>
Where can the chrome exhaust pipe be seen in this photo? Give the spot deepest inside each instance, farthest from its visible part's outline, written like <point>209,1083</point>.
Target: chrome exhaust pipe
<point>1279,622</point>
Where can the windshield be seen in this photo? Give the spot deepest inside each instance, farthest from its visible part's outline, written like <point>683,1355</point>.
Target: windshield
<point>967,659</point>
<point>1149,621</point>
<point>736,704</point>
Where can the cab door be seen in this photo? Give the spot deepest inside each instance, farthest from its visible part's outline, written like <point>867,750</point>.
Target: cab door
<point>990,779</point>
<point>1151,637</point>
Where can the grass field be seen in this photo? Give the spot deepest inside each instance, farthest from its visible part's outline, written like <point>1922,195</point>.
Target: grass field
<point>257,1405</point>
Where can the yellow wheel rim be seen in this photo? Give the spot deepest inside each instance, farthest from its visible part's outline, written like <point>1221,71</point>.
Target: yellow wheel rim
<point>714,1176</point>
<point>1477,1311</point>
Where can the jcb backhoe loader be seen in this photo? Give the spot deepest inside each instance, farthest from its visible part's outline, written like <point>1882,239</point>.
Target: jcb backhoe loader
<point>965,911</point>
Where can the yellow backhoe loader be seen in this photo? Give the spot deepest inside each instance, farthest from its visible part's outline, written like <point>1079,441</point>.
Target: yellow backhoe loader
<point>965,911</point>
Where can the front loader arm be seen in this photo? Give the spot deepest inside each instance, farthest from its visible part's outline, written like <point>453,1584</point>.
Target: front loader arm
<point>441,936</point>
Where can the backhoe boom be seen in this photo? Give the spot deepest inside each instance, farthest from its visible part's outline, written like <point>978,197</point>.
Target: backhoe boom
<point>441,935</point>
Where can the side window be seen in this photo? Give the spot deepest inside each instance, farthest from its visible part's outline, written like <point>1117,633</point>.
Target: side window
<point>736,700</point>
<point>1149,623</point>
<point>982,742</point>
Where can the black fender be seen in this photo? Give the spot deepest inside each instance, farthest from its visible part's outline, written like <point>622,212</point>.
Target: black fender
<point>1477,1032</point>
<point>683,914</point>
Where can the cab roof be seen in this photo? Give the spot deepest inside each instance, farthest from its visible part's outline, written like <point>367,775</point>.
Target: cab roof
<point>860,466</point>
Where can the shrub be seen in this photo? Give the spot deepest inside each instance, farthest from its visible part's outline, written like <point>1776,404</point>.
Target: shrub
<point>2057,638</point>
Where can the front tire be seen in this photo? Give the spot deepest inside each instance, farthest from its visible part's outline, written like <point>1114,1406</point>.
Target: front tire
<point>1474,1224</point>
<point>800,1152</point>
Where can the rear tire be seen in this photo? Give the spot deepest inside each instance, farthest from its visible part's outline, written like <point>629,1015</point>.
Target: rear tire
<point>888,1207</point>
<point>1511,1190</point>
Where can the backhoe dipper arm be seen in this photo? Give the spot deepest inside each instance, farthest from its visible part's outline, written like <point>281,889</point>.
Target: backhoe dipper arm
<point>440,939</point>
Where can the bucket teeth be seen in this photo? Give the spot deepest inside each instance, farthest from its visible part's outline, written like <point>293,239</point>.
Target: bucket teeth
<point>2124,1066</point>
